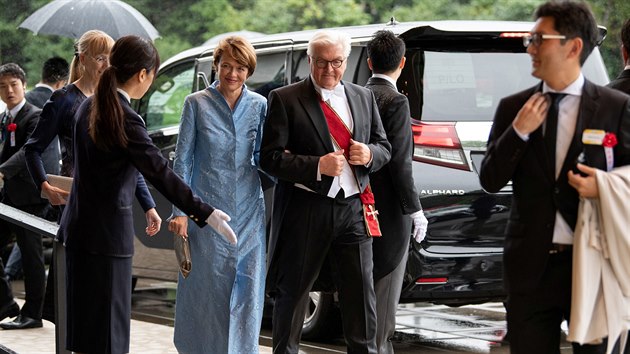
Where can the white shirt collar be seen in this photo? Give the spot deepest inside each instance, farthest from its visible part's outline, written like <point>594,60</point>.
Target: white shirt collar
<point>627,67</point>
<point>575,88</point>
<point>325,93</point>
<point>122,92</point>
<point>46,86</point>
<point>385,77</point>
<point>14,112</point>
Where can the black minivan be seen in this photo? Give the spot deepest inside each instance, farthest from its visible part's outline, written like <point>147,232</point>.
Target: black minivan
<point>456,73</point>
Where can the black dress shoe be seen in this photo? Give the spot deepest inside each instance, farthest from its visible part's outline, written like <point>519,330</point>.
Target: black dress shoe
<point>9,310</point>
<point>22,322</point>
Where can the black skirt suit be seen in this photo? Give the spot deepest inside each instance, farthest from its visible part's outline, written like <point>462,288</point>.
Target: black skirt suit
<point>98,233</point>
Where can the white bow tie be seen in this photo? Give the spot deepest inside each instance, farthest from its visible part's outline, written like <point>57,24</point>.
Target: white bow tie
<point>338,91</point>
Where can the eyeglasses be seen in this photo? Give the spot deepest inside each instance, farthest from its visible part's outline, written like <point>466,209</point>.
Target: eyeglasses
<point>537,38</point>
<point>321,63</point>
<point>101,59</point>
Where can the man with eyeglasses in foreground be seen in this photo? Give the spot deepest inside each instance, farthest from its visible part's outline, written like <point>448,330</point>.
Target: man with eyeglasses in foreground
<point>539,157</point>
<point>321,139</point>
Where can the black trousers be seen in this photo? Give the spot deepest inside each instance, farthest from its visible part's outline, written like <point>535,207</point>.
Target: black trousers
<point>313,228</point>
<point>31,246</point>
<point>534,318</point>
<point>6,294</point>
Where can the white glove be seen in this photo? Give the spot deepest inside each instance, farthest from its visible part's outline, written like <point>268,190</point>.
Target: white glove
<point>420,224</point>
<point>219,221</point>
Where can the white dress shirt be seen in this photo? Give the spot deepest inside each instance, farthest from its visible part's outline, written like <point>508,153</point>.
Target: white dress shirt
<point>567,119</point>
<point>339,102</point>
<point>385,77</point>
<point>568,111</point>
<point>45,86</point>
<point>15,110</point>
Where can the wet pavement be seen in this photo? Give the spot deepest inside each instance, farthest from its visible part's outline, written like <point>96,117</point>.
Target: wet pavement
<point>420,327</point>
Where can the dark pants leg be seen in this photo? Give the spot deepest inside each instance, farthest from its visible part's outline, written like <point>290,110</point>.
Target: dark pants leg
<point>534,318</point>
<point>387,290</point>
<point>34,271</point>
<point>312,225</point>
<point>304,241</point>
<point>6,295</point>
<point>353,263</point>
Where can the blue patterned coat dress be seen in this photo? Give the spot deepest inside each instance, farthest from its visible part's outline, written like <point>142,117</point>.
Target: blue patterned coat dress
<point>219,306</point>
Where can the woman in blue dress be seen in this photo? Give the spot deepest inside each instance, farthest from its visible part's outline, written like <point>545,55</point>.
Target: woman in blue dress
<point>219,305</point>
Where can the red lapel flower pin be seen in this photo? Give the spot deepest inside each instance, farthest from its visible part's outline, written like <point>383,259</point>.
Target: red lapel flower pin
<point>609,142</point>
<point>11,127</point>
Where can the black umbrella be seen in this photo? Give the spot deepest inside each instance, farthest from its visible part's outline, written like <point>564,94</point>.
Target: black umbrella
<point>72,18</point>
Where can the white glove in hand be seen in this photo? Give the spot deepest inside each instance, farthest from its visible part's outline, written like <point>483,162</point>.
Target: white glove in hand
<point>420,224</point>
<point>219,221</point>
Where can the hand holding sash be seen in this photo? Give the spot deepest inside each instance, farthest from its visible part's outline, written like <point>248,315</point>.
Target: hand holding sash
<point>360,154</point>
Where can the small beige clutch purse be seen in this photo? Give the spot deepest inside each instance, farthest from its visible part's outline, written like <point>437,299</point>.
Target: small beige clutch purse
<point>182,252</point>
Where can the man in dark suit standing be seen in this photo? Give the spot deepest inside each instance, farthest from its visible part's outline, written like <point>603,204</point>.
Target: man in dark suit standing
<point>394,192</point>
<point>622,82</point>
<point>538,153</point>
<point>54,77</point>
<point>322,138</point>
<point>18,122</point>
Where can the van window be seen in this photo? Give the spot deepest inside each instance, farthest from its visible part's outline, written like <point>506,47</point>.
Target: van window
<point>446,86</point>
<point>164,100</point>
<point>269,73</point>
<point>467,86</point>
<point>302,68</point>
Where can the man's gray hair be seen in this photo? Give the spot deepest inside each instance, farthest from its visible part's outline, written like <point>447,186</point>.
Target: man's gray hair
<point>330,37</point>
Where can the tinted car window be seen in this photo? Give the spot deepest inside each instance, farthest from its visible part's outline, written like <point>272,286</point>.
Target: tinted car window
<point>301,68</point>
<point>269,73</point>
<point>467,86</point>
<point>446,86</point>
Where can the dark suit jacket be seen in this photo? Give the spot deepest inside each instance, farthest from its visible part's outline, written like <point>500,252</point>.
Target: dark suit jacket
<point>19,189</point>
<point>393,185</point>
<point>296,135</point>
<point>98,217</point>
<point>536,195</point>
<point>622,82</point>
<point>38,96</point>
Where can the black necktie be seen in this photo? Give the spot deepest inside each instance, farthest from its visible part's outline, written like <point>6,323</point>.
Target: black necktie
<point>3,125</point>
<point>551,127</point>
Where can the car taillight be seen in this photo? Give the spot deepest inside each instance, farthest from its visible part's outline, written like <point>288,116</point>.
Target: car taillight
<point>438,144</point>
<point>425,281</point>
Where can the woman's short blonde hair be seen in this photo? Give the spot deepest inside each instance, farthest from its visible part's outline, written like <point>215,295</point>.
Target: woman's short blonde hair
<point>238,48</point>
